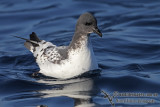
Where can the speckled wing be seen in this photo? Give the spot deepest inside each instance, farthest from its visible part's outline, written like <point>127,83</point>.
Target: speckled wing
<point>47,52</point>
<point>52,54</point>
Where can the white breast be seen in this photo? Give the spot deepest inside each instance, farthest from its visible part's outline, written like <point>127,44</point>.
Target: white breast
<point>78,62</point>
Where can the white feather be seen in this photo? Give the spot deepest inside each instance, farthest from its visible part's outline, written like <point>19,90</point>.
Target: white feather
<point>78,61</point>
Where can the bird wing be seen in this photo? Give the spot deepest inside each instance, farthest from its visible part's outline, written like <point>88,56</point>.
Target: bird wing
<point>45,51</point>
<point>50,52</point>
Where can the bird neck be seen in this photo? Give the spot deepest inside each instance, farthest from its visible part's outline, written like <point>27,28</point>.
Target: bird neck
<point>79,40</point>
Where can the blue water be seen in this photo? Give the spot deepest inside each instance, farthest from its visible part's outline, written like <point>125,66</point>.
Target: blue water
<point>128,53</point>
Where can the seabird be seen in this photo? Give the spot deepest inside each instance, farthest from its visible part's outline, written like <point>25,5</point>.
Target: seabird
<point>65,62</point>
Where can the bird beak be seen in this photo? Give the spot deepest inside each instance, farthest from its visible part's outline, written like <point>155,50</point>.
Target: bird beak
<point>97,31</point>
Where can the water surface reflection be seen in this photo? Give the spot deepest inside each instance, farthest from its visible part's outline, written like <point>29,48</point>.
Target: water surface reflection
<point>81,90</point>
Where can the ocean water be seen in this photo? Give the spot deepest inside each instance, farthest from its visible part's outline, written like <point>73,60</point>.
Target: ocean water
<point>128,53</point>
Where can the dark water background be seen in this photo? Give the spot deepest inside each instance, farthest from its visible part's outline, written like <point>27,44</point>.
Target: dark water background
<point>128,54</point>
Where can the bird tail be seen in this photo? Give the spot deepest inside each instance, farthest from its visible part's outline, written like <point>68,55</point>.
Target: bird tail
<point>31,43</point>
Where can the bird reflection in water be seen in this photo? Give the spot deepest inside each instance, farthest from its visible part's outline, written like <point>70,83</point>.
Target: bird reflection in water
<point>81,90</point>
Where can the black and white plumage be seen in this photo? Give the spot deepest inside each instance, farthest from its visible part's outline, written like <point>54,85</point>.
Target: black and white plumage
<point>67,61</point>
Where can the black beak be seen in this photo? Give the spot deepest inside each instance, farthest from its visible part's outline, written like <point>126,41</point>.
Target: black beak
<point>96,30</point>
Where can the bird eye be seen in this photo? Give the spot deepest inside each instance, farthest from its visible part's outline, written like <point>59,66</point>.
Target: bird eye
<point>88,23</point>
